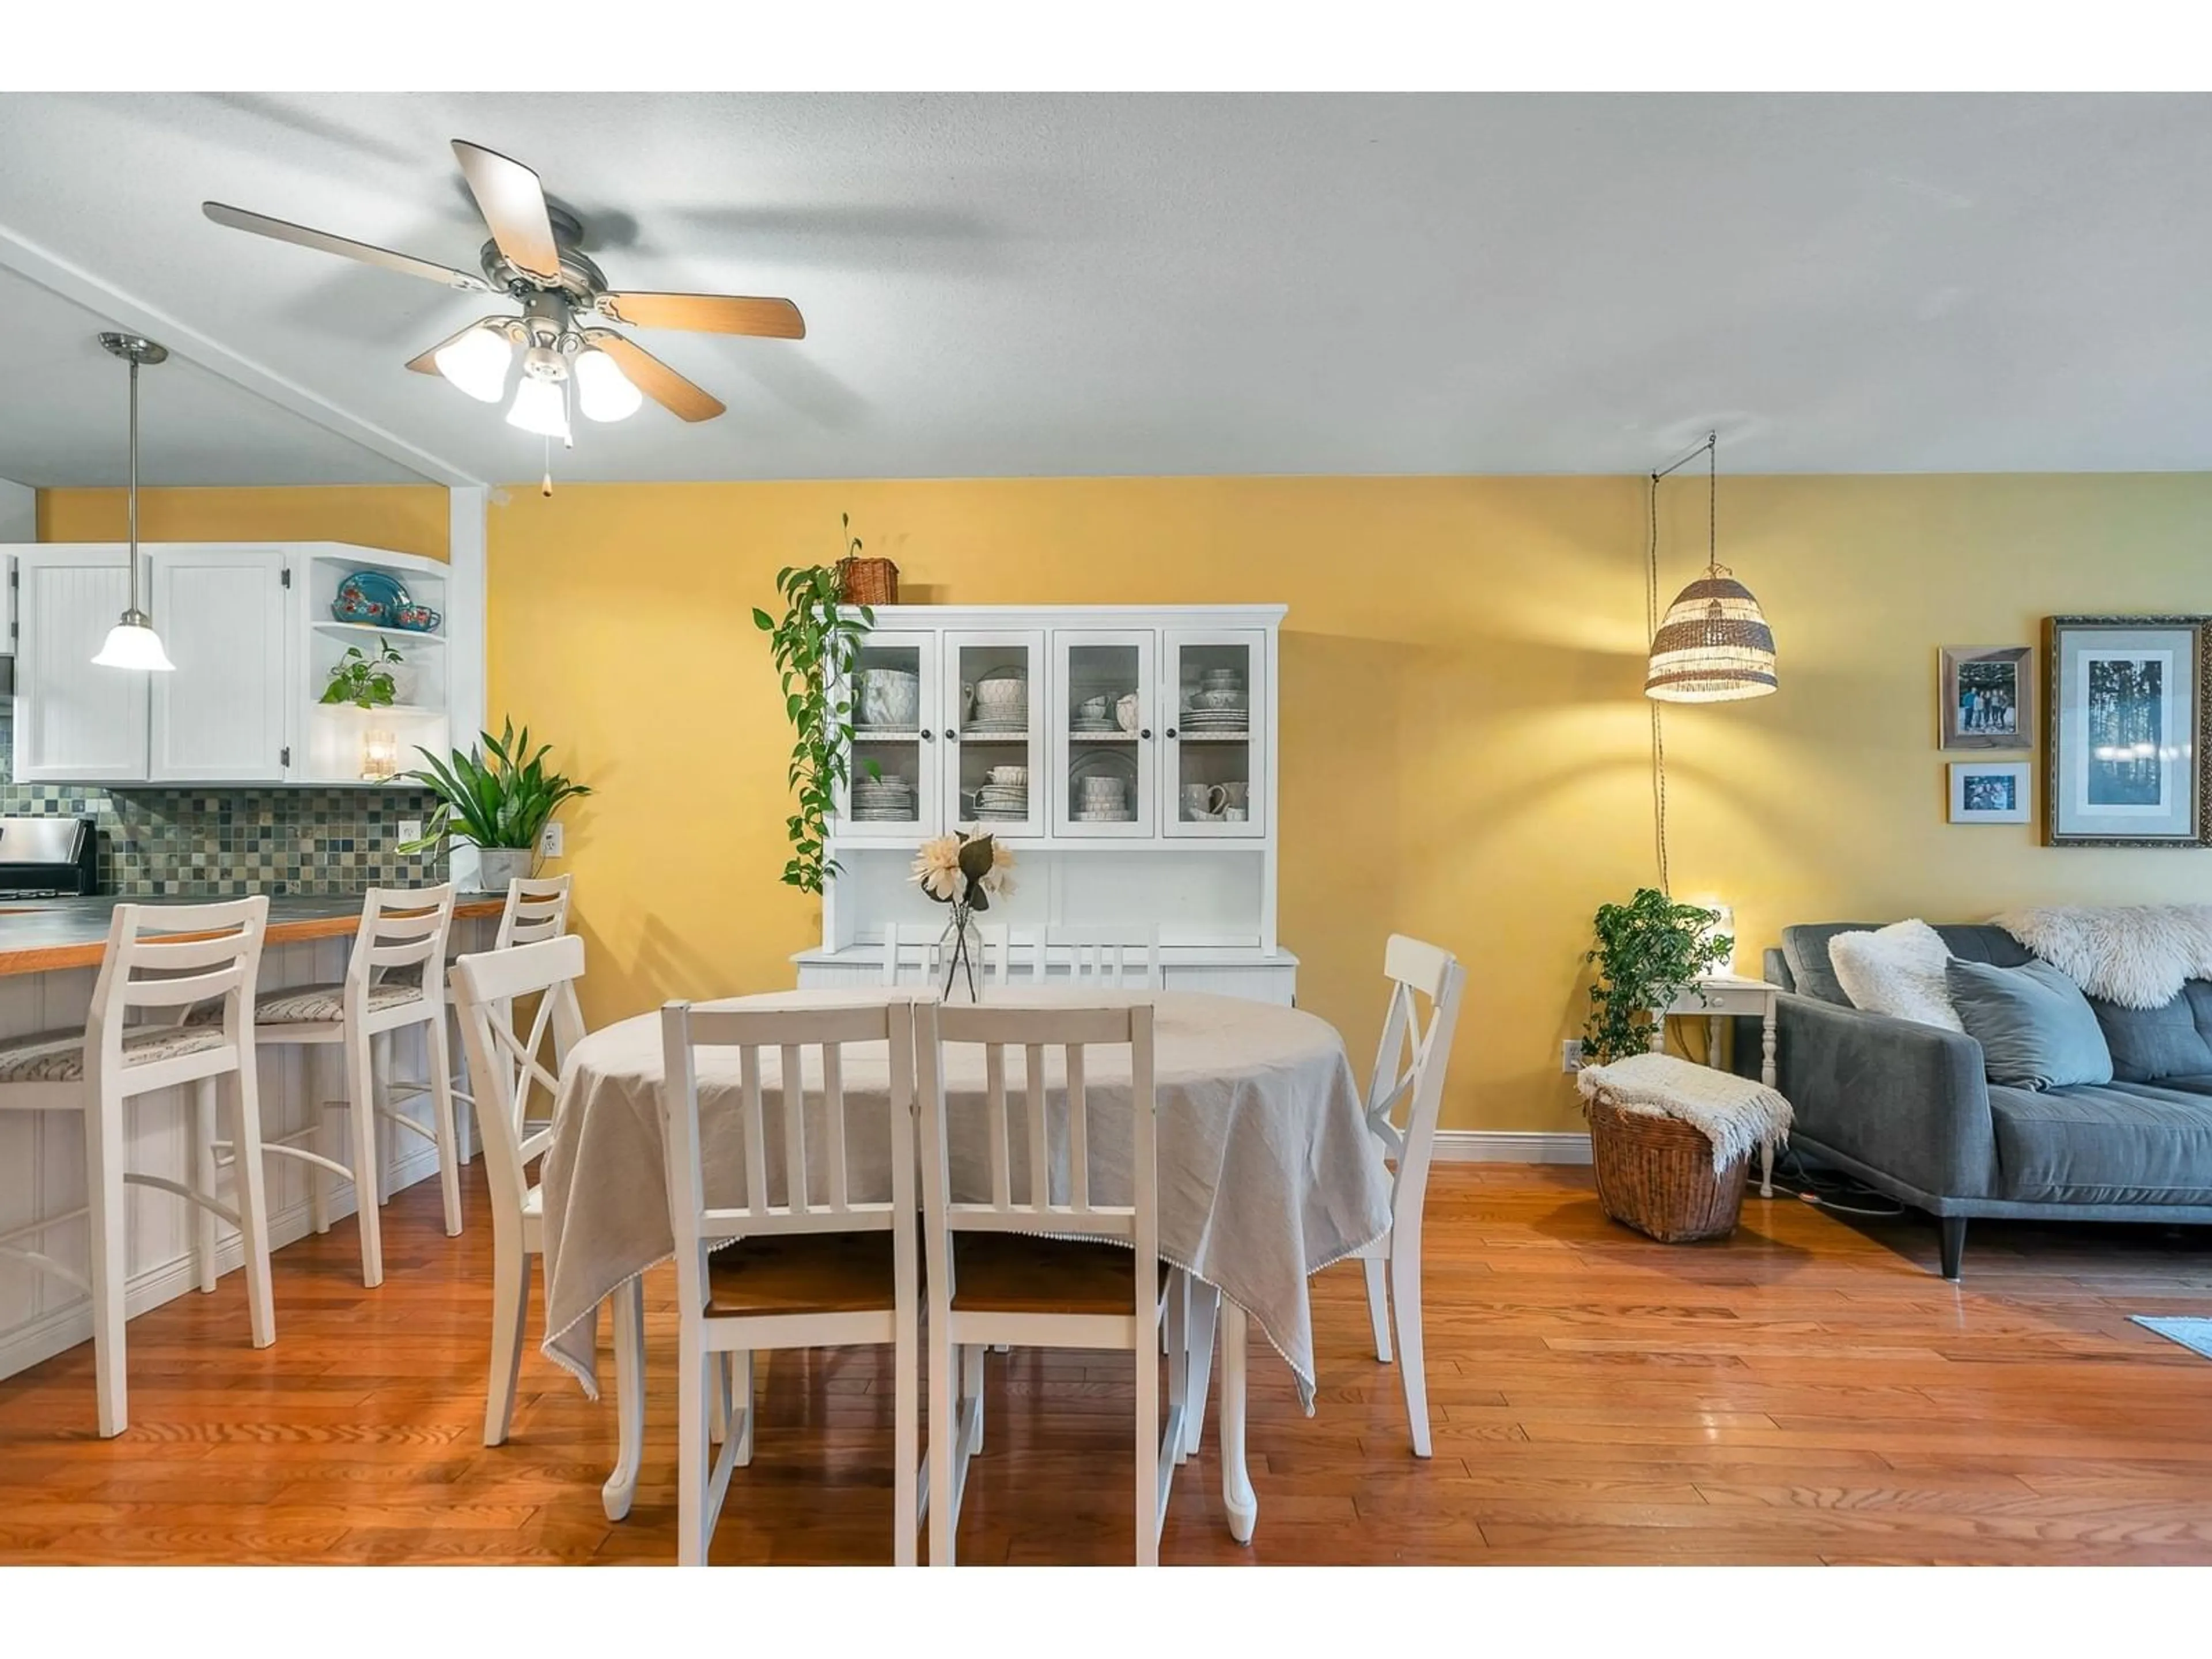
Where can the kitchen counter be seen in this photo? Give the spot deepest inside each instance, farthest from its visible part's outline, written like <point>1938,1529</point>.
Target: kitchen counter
<point>38,936</point>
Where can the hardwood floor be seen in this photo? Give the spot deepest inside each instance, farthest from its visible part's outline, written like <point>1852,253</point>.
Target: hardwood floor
<point>1805,1392</point>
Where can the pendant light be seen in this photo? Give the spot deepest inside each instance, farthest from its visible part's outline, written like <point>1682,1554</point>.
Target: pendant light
<point>1714,644</point>
<point>132,642</point>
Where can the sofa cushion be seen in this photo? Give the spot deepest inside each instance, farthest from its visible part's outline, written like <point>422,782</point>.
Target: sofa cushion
<point>2110,1143</point>
<point>2034,1024</point>
<point>2151,1044</point>
<point>1805,952</point>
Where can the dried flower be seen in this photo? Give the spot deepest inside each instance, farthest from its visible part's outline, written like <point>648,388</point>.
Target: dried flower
<point>998,880</point>
<point>937,868</point>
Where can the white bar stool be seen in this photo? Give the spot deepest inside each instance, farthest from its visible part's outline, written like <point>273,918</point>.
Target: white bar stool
<point>167,958</point>
<point>400,929</point>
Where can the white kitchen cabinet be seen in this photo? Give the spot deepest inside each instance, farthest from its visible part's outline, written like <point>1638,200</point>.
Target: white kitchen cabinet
<point>220,716</point>
<point>249,627</point>
<point>1174,703</point>
<point>74,722</point>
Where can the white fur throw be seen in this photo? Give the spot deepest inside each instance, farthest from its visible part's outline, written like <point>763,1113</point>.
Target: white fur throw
<point>2136,955</point>
<point>1897,971</point>
<point>1737,1116</point>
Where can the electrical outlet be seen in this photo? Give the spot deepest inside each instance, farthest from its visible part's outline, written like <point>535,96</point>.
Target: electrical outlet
<point>1571,1056</point>
<point>410,829</point>
<point>548,841</point>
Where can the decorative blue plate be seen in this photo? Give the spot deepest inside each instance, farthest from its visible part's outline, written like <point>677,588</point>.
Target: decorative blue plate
<point>370,596</point>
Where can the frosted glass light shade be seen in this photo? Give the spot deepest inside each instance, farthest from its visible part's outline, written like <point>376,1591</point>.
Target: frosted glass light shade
<point>1713,645</point>
<point>134,645</point>
<point>603,392</point>
<point>478,362</point>
<point>541,407</point>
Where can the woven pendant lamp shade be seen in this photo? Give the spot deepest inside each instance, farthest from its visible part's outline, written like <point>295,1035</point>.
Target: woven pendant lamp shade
<point>1712,645</point>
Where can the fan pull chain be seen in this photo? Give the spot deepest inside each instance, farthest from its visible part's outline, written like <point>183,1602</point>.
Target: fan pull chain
<point>545,483</point>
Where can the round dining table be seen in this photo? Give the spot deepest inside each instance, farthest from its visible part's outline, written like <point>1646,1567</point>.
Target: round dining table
<point>1267,1174</point>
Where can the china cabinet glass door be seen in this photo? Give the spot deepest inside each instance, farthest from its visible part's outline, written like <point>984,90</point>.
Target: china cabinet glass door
<point>1104,733</point>
<point>1214,701</point>
<point>893,793</point>
<point>990,713</point>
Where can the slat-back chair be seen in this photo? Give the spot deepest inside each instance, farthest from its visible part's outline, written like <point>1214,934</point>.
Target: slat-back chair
<point>1099,957</point>
<point>164,960</point>
<point>996,1277</point>
<point>914,956</point>
<point>537,908</point>
<point>401,930</point>
<point>485,986</point>
<point>795,1272</point>
<point>1404,1093</point>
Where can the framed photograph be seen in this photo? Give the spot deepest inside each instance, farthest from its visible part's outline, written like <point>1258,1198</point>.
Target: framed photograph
<point>1989,696</point>
<point>1988,791</point>
<point>2127,701</point>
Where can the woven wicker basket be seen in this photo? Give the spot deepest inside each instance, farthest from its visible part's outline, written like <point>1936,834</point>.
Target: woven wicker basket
<point>867,581</point>
<point>1655,1175</point>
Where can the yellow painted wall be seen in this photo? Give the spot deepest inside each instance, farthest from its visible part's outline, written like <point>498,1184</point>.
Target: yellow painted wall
<point>403,518</point>
<point>1465,745</point>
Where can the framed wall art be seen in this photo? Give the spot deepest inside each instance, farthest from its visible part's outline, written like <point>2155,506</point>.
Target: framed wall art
<point>2127,702</point>
<point>1988,791</point>
<point>1988,697</point>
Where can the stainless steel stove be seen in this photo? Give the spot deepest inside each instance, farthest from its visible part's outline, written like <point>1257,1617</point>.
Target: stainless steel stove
<point>48,857</point>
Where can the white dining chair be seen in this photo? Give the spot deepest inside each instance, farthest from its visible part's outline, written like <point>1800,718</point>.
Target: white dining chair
<point>839,1270</point>
<point>995,1276</point>
<point>395,978</point>
<point>537,908</point>
<point>1403,1095</point>
<point>914,955</point>
<point>164,958</point>
<point>485,987</point>
<point>1099,957</point>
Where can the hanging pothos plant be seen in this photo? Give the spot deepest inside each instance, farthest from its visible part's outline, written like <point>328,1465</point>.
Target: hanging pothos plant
<point>1647,952</point>
<point>815,646</point>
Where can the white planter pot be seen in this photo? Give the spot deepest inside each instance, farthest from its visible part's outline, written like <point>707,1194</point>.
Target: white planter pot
<point>498,866</point>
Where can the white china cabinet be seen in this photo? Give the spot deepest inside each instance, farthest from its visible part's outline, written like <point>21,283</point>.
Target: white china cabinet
<point>249,627</point>
<point>1127,754</point>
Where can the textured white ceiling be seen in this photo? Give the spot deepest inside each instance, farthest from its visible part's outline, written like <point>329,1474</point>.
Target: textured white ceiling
<point>1009,285</point>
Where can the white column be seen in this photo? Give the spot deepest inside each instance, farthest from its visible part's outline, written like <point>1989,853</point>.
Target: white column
<point>466,620</point>
<point>19,513</point>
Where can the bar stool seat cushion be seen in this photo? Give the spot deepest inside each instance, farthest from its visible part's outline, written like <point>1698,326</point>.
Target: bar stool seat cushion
<point>58,1056</point>
<point>300,1005</point>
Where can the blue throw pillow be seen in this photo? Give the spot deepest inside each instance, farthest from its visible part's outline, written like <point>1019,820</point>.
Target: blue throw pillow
<point>2036,1028</point>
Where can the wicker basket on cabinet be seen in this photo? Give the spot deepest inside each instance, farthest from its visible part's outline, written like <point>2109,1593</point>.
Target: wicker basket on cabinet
<point>1656,1173</point>
<point>867,581</point>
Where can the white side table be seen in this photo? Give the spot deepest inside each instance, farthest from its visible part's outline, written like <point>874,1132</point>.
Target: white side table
<point>1719,997</point>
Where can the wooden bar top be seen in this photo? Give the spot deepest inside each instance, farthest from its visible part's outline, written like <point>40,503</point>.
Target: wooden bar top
<point>41,936</point>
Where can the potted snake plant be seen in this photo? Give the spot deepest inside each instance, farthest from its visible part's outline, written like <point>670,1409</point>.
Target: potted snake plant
<point>498,797</point>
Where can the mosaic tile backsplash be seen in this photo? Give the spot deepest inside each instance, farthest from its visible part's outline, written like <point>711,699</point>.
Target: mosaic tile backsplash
<point>212,842</point>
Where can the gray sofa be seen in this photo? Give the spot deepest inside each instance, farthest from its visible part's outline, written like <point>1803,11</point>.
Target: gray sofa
<point>1908,1109</point>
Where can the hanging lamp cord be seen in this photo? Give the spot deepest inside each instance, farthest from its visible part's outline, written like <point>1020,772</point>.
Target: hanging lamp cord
<point>1709,449</point>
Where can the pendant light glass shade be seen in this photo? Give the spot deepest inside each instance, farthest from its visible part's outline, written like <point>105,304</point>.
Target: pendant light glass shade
<point>133,645</point>
<point>540,406</point>
<point>603,392</point>
<point>477,363</point>
<point>1712,645</point>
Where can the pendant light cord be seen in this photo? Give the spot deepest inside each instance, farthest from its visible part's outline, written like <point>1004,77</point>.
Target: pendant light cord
<point>1709,449</point>
<point>135,607</point>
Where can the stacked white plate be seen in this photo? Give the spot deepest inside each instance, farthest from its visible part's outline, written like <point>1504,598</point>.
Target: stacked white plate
<point>1083,729</point>
<point>1000,719</point>
<point>1001,802</point>
<point>1216,719</point>
<point>883,800</point>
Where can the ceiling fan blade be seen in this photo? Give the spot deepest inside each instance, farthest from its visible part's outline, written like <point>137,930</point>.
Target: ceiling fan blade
<point>707,313</point>
<point>654,378</point>
<point>426,363</point>
<point>512,203</point>
<point>284,231</point>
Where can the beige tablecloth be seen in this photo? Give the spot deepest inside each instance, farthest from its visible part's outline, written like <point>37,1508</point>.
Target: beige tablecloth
<point>1266,1171</point>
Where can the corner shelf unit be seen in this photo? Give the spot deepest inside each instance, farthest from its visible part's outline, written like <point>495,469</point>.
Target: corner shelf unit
<point>1127,754</point>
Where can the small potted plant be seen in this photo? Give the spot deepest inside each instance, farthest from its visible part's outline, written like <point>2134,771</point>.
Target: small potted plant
<point>499,806</point>
<point>364,681</point>
<point>964,870</point>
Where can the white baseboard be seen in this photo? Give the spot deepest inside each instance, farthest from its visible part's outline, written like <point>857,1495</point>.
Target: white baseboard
<point>66,1326</point>
<point>1512,1146</point>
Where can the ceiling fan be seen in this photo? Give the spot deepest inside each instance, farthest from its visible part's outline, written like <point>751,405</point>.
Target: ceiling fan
<point>534,258</point>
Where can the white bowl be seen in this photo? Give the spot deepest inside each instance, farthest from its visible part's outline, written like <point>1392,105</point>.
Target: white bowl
<point>1007,689</point>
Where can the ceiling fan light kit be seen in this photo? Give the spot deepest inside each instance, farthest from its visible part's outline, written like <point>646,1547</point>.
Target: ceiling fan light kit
<point>535,258</point>
<point>132,642</point>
